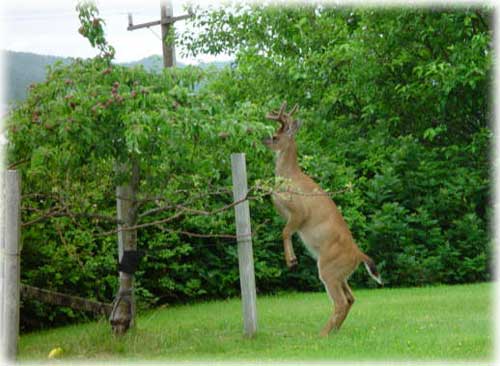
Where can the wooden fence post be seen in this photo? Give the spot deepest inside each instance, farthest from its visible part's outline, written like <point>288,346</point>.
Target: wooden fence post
<point>124,308</point>
<point>245,251</point>
<point>10,250</point>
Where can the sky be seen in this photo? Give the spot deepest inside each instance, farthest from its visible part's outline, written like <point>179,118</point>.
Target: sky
<point>51,28</point>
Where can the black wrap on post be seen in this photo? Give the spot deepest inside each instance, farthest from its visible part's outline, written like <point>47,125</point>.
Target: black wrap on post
<point>129,262</point>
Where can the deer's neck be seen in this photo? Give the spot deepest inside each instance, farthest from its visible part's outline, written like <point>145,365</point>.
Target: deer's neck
<point>286,161</point>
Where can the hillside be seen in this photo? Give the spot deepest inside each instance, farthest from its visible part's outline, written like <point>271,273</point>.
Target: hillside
<point>24,68</point>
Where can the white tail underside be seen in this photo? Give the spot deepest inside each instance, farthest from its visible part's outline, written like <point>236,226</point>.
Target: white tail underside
<point>378,279</point>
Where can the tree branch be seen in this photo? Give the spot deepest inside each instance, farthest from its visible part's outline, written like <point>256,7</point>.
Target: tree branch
<point>13,165</point>
<point>64,212</point>
<point>140,226</point>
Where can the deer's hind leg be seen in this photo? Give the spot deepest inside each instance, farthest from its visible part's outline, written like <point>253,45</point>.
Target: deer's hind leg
<point>334,279</point>
<point>348,293</point>
<point>341,306</point>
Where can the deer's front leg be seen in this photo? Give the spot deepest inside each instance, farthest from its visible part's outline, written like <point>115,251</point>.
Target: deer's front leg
<point>293,223</point>
<point>291,227</point>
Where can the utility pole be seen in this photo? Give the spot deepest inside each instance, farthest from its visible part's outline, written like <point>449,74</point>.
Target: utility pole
<point>166,22</point>
<point>123,313</point>
<point>167,12</point>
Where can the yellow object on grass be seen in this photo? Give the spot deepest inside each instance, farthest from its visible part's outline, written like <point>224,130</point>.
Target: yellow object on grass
<point>56,352</point>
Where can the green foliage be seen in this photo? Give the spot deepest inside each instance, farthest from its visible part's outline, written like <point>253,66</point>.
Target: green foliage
<point>77,126</point>
<point>408,69</point>
<point>92,28</point>
<point>395,106</point>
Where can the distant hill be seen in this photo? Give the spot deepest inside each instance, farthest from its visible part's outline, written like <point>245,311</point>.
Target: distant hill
<point>155,63</point>
<point>23,69</point>
<point>151,63</point>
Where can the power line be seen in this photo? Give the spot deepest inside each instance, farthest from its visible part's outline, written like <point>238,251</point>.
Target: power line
<point>156,34</point>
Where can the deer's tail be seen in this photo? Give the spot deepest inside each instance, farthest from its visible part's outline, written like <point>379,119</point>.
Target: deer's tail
<point>371,268</point>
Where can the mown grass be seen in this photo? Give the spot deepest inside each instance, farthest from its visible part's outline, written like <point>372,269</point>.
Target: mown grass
<point>427,324</point>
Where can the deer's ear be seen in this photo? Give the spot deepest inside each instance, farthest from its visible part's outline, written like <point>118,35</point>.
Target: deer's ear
<point>293,127</point>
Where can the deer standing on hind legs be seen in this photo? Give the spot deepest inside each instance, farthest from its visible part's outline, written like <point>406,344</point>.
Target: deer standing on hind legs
<point>309,211</point>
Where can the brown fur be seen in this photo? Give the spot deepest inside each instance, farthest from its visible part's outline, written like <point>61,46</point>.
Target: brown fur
<point>309,211</point>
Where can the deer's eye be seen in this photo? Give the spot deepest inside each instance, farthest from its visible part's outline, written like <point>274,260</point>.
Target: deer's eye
<point>275,138</point>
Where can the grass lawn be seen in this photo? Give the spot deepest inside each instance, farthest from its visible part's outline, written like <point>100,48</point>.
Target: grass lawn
<point>427,324</point>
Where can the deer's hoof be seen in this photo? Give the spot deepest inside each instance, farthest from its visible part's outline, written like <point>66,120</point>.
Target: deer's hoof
<point>292,263</point>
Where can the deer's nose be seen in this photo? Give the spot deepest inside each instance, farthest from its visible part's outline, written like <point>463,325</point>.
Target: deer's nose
<point>267,141</point>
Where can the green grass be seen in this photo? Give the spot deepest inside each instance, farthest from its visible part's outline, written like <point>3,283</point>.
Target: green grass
<point>426,324</point>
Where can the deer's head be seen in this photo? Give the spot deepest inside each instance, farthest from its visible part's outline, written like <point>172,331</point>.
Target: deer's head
<point>285,134</point>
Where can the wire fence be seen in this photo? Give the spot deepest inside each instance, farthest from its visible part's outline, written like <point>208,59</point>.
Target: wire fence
<point>177,211</point>
<point>60,209</point>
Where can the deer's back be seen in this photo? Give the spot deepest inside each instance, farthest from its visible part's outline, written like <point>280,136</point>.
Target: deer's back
<point>321,223</point>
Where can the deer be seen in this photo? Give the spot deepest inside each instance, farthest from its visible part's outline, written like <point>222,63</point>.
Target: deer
<point>310,212</point>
